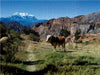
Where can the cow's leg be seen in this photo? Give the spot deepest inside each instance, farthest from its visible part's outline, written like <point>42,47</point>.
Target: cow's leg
<point>58,45</point>
<point>54,45</point>
<point>54,48</point>
<point>63,46</point>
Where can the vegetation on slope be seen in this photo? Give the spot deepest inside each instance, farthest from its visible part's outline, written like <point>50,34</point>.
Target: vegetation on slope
<point>38,58</point>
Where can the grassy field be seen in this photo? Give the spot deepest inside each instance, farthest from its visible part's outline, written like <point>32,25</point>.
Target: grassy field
<point>39,58</point>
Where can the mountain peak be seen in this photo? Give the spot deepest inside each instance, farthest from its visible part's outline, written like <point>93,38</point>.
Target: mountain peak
<point>23,14</point>
<point>22,18</point>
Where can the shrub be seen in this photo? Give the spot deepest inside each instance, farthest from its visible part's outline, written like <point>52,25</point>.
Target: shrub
<point>64,32</point>
<point>11,50</point>
<point>13,34</point>
<point>27,32</point>
<point>11,46</point>
<point>77,34</point>
<point>76,47</point>
<point>33,37</point>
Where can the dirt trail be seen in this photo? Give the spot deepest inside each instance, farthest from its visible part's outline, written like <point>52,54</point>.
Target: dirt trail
<point>31,57</point>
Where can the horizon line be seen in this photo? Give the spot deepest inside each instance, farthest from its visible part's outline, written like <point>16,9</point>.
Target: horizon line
<point>54,17</point>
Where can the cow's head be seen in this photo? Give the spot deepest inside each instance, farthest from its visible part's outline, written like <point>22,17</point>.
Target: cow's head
<point>49,37</point>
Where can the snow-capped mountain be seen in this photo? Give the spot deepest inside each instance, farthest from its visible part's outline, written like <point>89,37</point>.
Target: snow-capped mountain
<point>22,18</point>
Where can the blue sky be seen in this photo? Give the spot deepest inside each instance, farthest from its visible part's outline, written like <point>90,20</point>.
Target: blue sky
<point>49,9</point>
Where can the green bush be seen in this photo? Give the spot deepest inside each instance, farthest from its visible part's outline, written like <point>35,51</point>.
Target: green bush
<point>64,32</point>
<point>11,50</point>
<point>11,45</point>
<point>76,47</point>
<point>77,34</point>
<point>13,34</point>
<point>27,32</point>
<point>33,37</point>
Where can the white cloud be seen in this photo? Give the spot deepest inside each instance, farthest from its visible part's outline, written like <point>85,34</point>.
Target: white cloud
<point>22,14</point>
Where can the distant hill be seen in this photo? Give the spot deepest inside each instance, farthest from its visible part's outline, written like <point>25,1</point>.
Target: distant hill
<point>90,18</point>
<point>87,23</point>
<point>22,18</point>
<point>15,25</point>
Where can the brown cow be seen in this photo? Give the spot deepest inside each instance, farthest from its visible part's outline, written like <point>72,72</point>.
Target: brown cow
<point>56,41</point>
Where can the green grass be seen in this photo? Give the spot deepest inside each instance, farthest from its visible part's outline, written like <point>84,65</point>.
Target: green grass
<point>72,62</point>
<point>82,65</point>
<point>21,65</point>
<point>81,60</point>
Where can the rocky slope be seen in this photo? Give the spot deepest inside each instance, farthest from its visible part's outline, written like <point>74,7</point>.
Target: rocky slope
<point>94,17</point>
<point>87,23</point>
<point>15,25</point>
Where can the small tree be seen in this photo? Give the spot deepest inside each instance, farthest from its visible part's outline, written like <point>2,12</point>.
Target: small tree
<point>77,34</point>
<point>64,32</point>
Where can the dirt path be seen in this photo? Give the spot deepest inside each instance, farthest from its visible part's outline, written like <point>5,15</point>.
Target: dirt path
<point>31,57</point>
